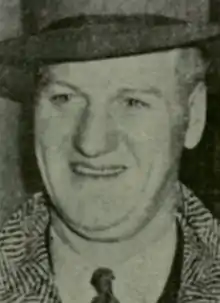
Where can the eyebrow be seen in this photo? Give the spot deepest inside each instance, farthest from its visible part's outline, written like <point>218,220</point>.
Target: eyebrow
<point>150,90</point>
<point>67,84</point>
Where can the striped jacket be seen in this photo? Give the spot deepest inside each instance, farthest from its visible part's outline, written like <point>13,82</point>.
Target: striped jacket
<point>25,272</point>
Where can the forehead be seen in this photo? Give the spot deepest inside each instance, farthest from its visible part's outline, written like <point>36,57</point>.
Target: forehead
<point>135,70</point>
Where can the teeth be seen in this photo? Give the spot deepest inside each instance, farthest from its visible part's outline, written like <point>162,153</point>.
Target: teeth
<point>97,172</point>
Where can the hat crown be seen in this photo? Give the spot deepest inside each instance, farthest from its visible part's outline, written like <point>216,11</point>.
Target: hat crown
<point>48,11</point>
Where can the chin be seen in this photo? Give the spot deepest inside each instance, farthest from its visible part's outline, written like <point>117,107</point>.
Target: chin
<point>118,231</point>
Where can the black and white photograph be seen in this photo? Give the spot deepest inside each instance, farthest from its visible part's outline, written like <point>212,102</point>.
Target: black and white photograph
<point>109,151</point>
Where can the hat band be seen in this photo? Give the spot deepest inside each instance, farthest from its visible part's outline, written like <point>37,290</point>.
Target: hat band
<point>82,20</point>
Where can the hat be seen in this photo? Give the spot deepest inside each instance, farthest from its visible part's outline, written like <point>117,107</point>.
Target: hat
<point>80,30</point>
<point>95,29</point>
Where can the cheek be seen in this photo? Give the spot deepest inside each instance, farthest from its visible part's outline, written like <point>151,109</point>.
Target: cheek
<point>147,134</point>
<point>52,145</point>
<point>53,130</point>
<point>155,142</point>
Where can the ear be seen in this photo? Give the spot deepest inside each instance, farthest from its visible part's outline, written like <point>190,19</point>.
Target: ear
<point>197,115</point>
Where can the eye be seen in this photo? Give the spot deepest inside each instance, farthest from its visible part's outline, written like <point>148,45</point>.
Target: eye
<point>135,102</point>
<point>61,98</point>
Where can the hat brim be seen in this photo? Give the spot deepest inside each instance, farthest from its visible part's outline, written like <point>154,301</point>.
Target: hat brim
<point>93,41</point>
<point>96,40</point>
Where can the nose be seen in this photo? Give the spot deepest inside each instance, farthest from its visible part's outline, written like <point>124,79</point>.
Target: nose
<point>95,136</point>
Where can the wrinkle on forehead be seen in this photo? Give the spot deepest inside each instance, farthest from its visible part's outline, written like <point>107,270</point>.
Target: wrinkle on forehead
<point>129,71</point>
<point>191,56</point>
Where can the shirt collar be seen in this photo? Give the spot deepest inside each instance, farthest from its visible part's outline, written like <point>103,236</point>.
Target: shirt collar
<point>24,252</point>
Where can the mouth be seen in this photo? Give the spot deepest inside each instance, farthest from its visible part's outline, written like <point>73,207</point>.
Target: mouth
<point>88,170</point>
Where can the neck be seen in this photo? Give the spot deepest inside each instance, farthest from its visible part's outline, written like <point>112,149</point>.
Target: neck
<point>161,228</point>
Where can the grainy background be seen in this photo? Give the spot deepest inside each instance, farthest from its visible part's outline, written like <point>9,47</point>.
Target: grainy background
<point>10,182</point>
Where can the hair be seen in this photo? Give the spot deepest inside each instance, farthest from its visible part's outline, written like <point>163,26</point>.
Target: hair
<point>190,70</point>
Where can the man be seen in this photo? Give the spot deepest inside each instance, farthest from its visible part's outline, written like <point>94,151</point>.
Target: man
<point>119,93</point>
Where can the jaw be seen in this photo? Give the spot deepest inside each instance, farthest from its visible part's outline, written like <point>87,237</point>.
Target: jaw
<point>126,227</point>
<point>112,253</point>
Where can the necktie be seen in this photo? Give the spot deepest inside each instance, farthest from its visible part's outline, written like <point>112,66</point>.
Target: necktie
<point>102,282</point>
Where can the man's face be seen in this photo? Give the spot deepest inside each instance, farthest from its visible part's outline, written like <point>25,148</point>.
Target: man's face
<point>109,135</point>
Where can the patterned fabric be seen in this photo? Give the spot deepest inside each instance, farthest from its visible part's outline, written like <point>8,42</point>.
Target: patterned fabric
<point>25,271</point>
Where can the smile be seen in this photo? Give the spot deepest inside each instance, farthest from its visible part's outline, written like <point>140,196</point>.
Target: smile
<point>97,172</point>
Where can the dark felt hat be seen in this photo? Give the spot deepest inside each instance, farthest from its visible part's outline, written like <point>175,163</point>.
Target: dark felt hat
<point>80,30</point>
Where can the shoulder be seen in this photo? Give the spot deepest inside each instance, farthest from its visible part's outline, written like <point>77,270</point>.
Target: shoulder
<point>24,226</point>
<point>197,218</point>
<point>30,212</point>
<point>201,235</point>
<point>23,253</point>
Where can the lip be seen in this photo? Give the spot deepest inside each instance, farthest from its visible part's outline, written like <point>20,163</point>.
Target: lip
<point>93,171</point>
